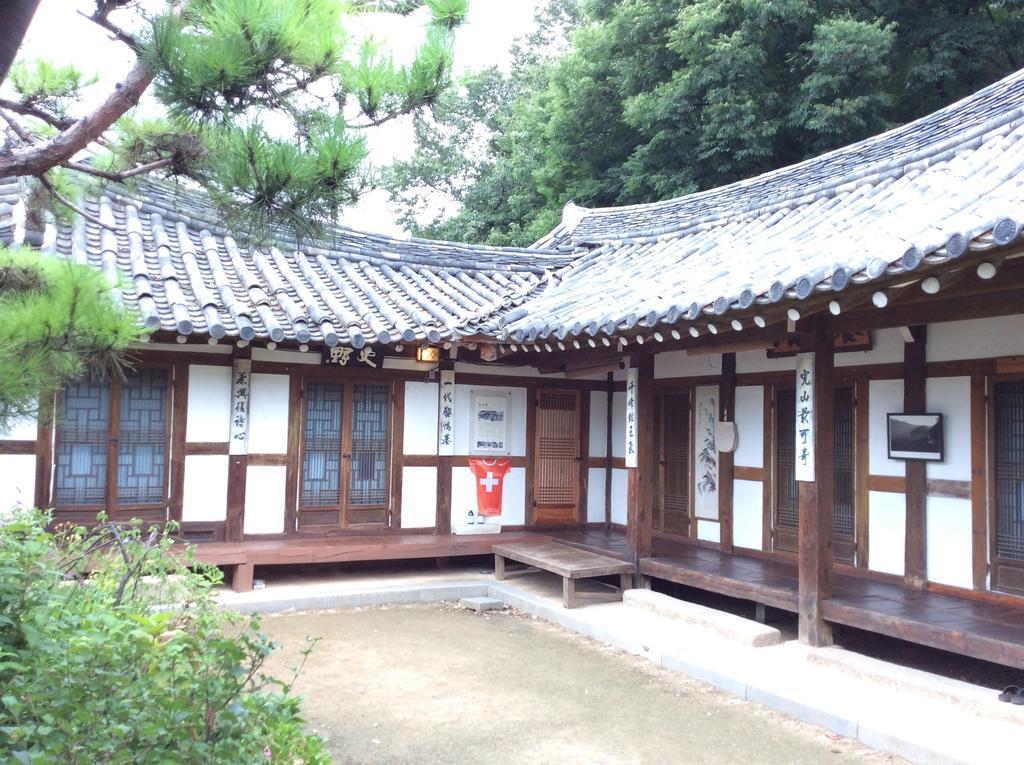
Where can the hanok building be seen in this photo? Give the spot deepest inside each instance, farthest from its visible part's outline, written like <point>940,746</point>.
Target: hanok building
<point>805,389</point>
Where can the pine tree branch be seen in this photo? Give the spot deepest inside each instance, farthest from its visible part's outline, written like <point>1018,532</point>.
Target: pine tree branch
<point>100,18</point>
<point>119,176</point>
<point>68,203</point>
<point>40,157</point>
<point>61,123</point>
<point>17,128</point>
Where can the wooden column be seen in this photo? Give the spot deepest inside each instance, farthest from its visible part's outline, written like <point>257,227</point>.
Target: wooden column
<point>44,450</point>
<point>179,417</point>
<point>726,460</point>
<point>610,417</point>
<point>914,376</point>
<point>238,467</point>
<point>639,526</point>
<point>816,500</point>
<point>979,482</point>
<point>443,518</point>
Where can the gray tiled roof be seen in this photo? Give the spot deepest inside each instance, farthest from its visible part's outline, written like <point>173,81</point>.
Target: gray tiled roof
<point>930,191</point>
<point>187,275</point>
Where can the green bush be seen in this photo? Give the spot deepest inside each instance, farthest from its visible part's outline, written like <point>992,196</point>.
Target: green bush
<point>112,650</point>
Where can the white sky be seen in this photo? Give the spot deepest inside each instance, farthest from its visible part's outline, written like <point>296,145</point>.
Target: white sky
<point>59,34</point>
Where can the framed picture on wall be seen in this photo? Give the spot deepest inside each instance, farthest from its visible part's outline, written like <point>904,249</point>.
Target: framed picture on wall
<point>916,437</point>
<point>490,428</point>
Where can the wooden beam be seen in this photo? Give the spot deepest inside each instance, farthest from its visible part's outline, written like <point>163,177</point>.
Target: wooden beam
<point>726,460</point>
<point>639,525</point>
<point>816,503</point>
<point>979,483</point>
<point>914,377</point>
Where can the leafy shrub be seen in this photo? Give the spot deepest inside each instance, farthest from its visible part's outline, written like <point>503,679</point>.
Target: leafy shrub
<point>113,651</point>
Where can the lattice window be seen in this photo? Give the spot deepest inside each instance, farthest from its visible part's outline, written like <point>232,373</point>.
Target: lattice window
<point>1009,470</point>
<point>321,447</point>
<point>556,482</point>
<point>142,439</point>
<point>368,480</point>
<point>787,503</point>
<point>80,462</point>
<point>844,491</point>
<point>676,461</point>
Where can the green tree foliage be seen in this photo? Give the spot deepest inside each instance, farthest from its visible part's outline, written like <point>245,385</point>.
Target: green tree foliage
<point>657,98</point>
<point>134,662</point>
<point>57,321</point>
<point>266,101</point>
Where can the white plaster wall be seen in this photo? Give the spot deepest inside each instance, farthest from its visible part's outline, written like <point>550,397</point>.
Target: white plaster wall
<point>286,357</point>
<point>20,429</point>
<point>951,396</point>
<point>750,423</point>
<point>884,396</point>
<point>887,349</point>
<point>264,499</point>
<point>599,423</point>
<point>887,526</point>
<point>191,348</point>
<point>758,361</point>
<point>420,426</point>
<point>419,497</point>
<point>619,423</point>
<point>949,554</point>
<point>679,364</point>
<point>17,481</point>
<point>463,421</point>
<point>513,496</point>
<point>595,495</point>
<point>709,531</point>
<point>746,514</point>
<point>620,495</point>
<point>268,414</point>
<point>206,488</point>
<point>209,404</point>
<point>976,338</point>
<point>489,369</point>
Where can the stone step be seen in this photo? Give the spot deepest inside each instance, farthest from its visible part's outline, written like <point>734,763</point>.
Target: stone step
<point>730,626</point>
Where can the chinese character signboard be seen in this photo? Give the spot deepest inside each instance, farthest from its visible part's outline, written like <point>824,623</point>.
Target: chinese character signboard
<point>631,423</point>
<point>805,417</point>
<point>371,357</point>
<point>490,413</point>
<point>446,414</point>
<point>241,385</point>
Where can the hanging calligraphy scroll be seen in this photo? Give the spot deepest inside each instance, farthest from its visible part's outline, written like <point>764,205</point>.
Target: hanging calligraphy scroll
<point>705,451</point>
<point>446,414</point>
<point>804,417</point>
<point>631,423</point>
<point>241,387</point>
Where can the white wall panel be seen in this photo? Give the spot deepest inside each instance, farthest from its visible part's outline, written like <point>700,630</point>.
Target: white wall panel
<point>286,357</point>
<point>681,364</point>
<point>747,526</point>
<point>709,531</point>
<point>758,361</point>
<point>599,423</point>
<point>419,497</point>
<point>268,414</point>
<point>951,397</point>
<point>206,488</point>
<point>420,427</point>
<point>976,338</point>
<point>17,481</point>
<point>884,396</point>
<point>264,499</point>
<point>949,555</point>
<point>619,423</point>
<point>620,495</point>
<point>887,528</point>
<point>209,404</point>
<point>595,495</point>
<point>888,349</point>
<point>750,424</point>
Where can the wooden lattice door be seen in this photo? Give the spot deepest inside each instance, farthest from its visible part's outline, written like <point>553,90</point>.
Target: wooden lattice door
<point>556,474</point>
<point>1007,493</point>
<point>672,444</point>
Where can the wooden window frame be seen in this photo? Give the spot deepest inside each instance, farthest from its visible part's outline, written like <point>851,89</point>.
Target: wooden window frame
<point>115,511</point>
<point>344,508</point>
<point>995,563</point>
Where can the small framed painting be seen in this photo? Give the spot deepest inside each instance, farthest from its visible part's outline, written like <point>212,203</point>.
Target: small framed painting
<point>490,412</point>
<point>916,437</point>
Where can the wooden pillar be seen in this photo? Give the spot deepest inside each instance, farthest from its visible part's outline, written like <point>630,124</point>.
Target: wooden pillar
<point>639,526</point>
<point>179,417</point>
<point>914,376</point>
<point>979,482</point>
<point>44,450</point>
<point>726,460</point>
<point>816,500</point>
<point>610,418</point>
<point>238,455</point>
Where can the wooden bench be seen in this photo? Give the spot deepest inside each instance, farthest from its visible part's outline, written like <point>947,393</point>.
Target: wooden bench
<point>571,563</point>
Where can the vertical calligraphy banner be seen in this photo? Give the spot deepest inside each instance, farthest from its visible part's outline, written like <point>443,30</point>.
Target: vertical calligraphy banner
<point>241,388</point>
<point>446,414</point>
<point>631,423</point>
<point>804,417</point>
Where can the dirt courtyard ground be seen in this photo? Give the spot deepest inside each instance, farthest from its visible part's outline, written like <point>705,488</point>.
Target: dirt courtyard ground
<point>438,684</point>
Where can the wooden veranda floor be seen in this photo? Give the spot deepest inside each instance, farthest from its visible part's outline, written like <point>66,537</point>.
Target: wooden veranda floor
<point>981,629</point>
